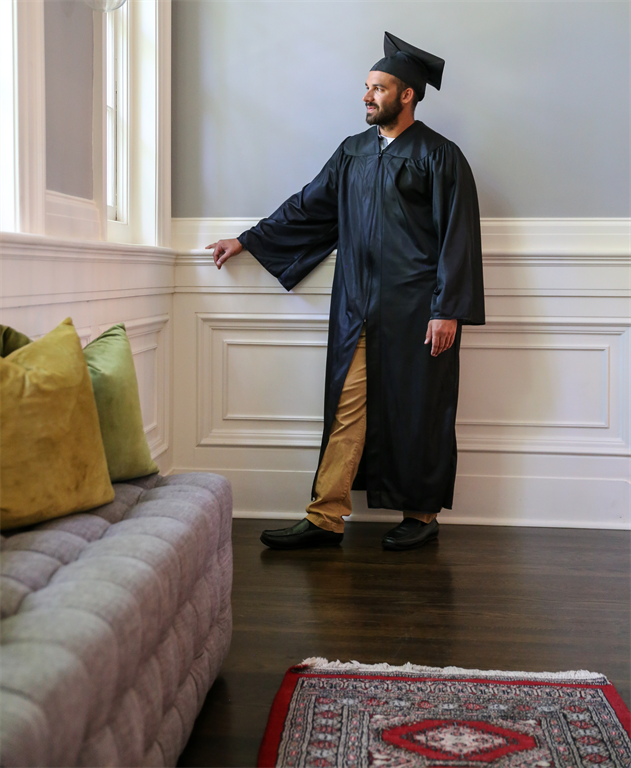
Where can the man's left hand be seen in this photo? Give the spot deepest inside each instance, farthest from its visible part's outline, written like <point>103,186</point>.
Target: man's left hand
<point>441,334</point>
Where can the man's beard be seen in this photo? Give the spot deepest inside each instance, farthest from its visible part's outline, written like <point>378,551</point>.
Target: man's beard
<point>385,115</point>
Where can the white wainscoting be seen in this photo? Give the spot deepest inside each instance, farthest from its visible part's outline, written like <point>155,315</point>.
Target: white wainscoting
<point>500,237</point>
<point>244,395</point>
<point>546,387</point>
<point>149,338</point>
<point>544,416</point>
<point>97,284</point>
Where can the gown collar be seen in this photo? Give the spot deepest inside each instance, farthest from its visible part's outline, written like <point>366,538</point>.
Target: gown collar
<point>414,142</point>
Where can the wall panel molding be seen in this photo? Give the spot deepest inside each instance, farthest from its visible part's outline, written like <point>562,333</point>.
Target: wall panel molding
<point>566,392</point>
<point>47,299</point>
<point>39,271</point>
<point>84,333</point>
<point>556,237</point>
<point>24,246</point>
<point>600,361</point>
<point>546,385</point>
<point>572,238</point>
<point>580,259</point>
<point>229,391</point>
<point>250,346</point>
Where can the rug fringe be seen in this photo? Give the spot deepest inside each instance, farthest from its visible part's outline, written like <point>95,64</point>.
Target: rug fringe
<point>319,663</point>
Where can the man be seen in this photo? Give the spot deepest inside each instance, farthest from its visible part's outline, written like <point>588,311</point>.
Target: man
<point>400,203</point>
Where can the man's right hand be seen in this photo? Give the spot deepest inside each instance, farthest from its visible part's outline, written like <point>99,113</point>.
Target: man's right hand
<point>224,249</point>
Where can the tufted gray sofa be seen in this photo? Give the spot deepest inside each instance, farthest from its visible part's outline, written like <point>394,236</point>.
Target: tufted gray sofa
<point>114,625</point>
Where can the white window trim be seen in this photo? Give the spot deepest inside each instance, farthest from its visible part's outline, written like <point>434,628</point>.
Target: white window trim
<point>23,127</point>
<point>146,171</point>
<point>120,20</point>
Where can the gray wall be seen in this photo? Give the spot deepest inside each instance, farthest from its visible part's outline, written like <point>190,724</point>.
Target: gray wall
<point>535,93</point>
<point>68,55</point>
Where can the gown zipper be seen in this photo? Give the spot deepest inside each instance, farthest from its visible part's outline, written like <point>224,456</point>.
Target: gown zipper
<point>379,156</point>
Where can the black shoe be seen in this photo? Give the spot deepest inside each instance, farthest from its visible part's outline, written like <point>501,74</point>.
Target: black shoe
<point>410,533</point>
<point>303,534</point>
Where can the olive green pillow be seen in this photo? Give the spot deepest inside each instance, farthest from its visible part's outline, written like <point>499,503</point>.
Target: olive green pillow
<point>113,374</point>
<point>52,461</point>
<point>10,340</point>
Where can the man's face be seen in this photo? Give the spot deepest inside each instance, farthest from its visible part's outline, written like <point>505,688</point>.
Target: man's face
<point>382,99</point>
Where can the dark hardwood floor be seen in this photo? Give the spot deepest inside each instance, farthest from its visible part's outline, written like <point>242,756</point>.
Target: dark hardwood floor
<point>482,597</point>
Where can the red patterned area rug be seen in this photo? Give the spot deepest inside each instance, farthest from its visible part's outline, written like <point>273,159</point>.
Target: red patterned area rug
<point>329,714</point>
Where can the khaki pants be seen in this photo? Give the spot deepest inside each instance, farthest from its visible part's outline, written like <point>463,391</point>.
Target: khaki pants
<point>344,451</point>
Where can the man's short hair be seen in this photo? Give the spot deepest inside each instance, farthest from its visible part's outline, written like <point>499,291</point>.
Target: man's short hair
<point>401,86</point>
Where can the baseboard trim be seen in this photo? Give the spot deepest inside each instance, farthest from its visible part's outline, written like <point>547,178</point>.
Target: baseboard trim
<point>444,519</point>
<point>276,489</point>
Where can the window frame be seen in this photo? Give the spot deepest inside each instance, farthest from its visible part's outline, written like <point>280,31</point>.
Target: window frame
<point>144,98</point>
<point>23,120</point>
<point>117,100</point>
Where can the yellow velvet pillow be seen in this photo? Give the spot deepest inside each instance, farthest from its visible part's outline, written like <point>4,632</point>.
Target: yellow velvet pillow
<point>52,460</point>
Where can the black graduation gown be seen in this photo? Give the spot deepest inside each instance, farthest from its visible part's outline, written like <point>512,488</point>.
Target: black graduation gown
<point>406,224</point>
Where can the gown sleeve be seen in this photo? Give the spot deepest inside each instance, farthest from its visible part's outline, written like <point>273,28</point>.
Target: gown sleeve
<point>302,232</point>
<point>459,292</point>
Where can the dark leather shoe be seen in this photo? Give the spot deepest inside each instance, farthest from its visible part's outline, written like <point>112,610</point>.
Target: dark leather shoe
<point>409,534</point>
<point>303,534</point>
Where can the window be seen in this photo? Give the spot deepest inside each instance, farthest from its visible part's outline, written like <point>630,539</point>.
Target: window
<point>116,90</point>
<point>132,127</point>
<point>135,122</point>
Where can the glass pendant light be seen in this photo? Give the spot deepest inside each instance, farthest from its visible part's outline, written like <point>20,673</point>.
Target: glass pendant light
<point>104,5</point>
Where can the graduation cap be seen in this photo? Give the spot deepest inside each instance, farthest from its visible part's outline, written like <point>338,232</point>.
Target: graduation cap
<point>412,65</point>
